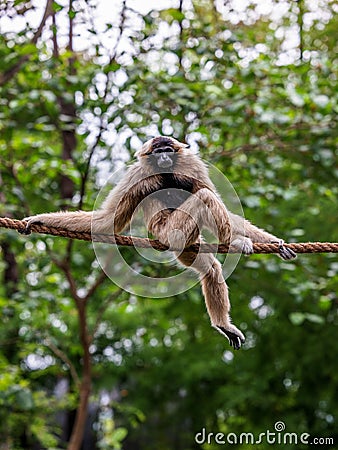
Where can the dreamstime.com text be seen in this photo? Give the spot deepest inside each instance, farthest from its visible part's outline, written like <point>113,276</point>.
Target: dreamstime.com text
<point>277,437</point>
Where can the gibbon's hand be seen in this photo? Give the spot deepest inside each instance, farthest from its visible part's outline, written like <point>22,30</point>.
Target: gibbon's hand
<point>285,252</point>
<point>233,334</point>
<point>38,219</point>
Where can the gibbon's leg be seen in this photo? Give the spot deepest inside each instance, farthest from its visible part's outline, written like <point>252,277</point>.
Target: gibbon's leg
<point>177,229</point>
<point>181,227</point>
<point>215,292</point>
<point>229,226</point>
<point>205,209</point>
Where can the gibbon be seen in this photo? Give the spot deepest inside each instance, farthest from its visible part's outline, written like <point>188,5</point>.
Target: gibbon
<point>172,186</point>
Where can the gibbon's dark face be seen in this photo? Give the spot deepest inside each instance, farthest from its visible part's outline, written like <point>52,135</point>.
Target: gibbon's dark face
<point>163,153</point>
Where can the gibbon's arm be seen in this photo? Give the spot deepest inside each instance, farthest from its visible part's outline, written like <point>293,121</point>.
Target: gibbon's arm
<point>242,227</point>
<point>114,214</point>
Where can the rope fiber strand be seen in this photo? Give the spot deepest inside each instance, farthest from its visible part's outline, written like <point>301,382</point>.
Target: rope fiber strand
<point>130,241</point>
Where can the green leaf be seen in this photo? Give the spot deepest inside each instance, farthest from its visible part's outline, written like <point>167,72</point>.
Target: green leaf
<point>119,434</point>
<point>57,7</point>
<point>297,318</point>
<point>315,318</point>
<point>24,400</point>
<point>72,14</point>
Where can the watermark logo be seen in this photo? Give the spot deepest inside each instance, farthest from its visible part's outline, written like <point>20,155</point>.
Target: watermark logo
<point>276,437</point>
<point>279,426</point>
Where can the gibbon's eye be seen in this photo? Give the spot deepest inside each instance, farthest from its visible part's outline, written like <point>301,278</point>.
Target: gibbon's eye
<point>164,150</point>
<point>163,157</point>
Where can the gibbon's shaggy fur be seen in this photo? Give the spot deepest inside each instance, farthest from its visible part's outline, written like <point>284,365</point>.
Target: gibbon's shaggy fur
<point>172,186</point>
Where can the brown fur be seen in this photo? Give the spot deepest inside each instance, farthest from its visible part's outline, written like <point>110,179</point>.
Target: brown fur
<point>176,227</point>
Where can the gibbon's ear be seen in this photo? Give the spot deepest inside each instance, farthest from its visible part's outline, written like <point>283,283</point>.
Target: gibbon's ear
<point>144,150</point>
<point>180,147</point>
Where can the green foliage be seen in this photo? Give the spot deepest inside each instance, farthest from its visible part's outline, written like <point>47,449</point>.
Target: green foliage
<point>24,408</point>
<point>270,127</point>
<point>111,437</point>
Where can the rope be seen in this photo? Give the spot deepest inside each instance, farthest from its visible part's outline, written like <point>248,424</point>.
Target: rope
<point>130,241</point>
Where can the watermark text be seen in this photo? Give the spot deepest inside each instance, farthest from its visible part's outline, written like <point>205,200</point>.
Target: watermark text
<point>276,437</point>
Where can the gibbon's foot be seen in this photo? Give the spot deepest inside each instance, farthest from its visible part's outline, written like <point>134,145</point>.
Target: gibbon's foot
<point>285,252</point>
<point>243,244</point>
<point>235,336</point>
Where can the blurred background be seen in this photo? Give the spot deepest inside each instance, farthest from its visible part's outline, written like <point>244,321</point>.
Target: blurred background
<point>249,84</point>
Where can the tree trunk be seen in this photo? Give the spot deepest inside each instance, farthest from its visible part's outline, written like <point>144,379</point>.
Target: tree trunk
<point>85,385</point>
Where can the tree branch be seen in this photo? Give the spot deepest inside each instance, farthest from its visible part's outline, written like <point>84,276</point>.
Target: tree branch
<point>60,354</point>
<point>11,72</point>
<point>103,309</point>
<point>106,91</point>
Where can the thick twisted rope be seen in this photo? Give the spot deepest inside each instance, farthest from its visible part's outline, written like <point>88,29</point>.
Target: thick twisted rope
<point>130,241</point>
